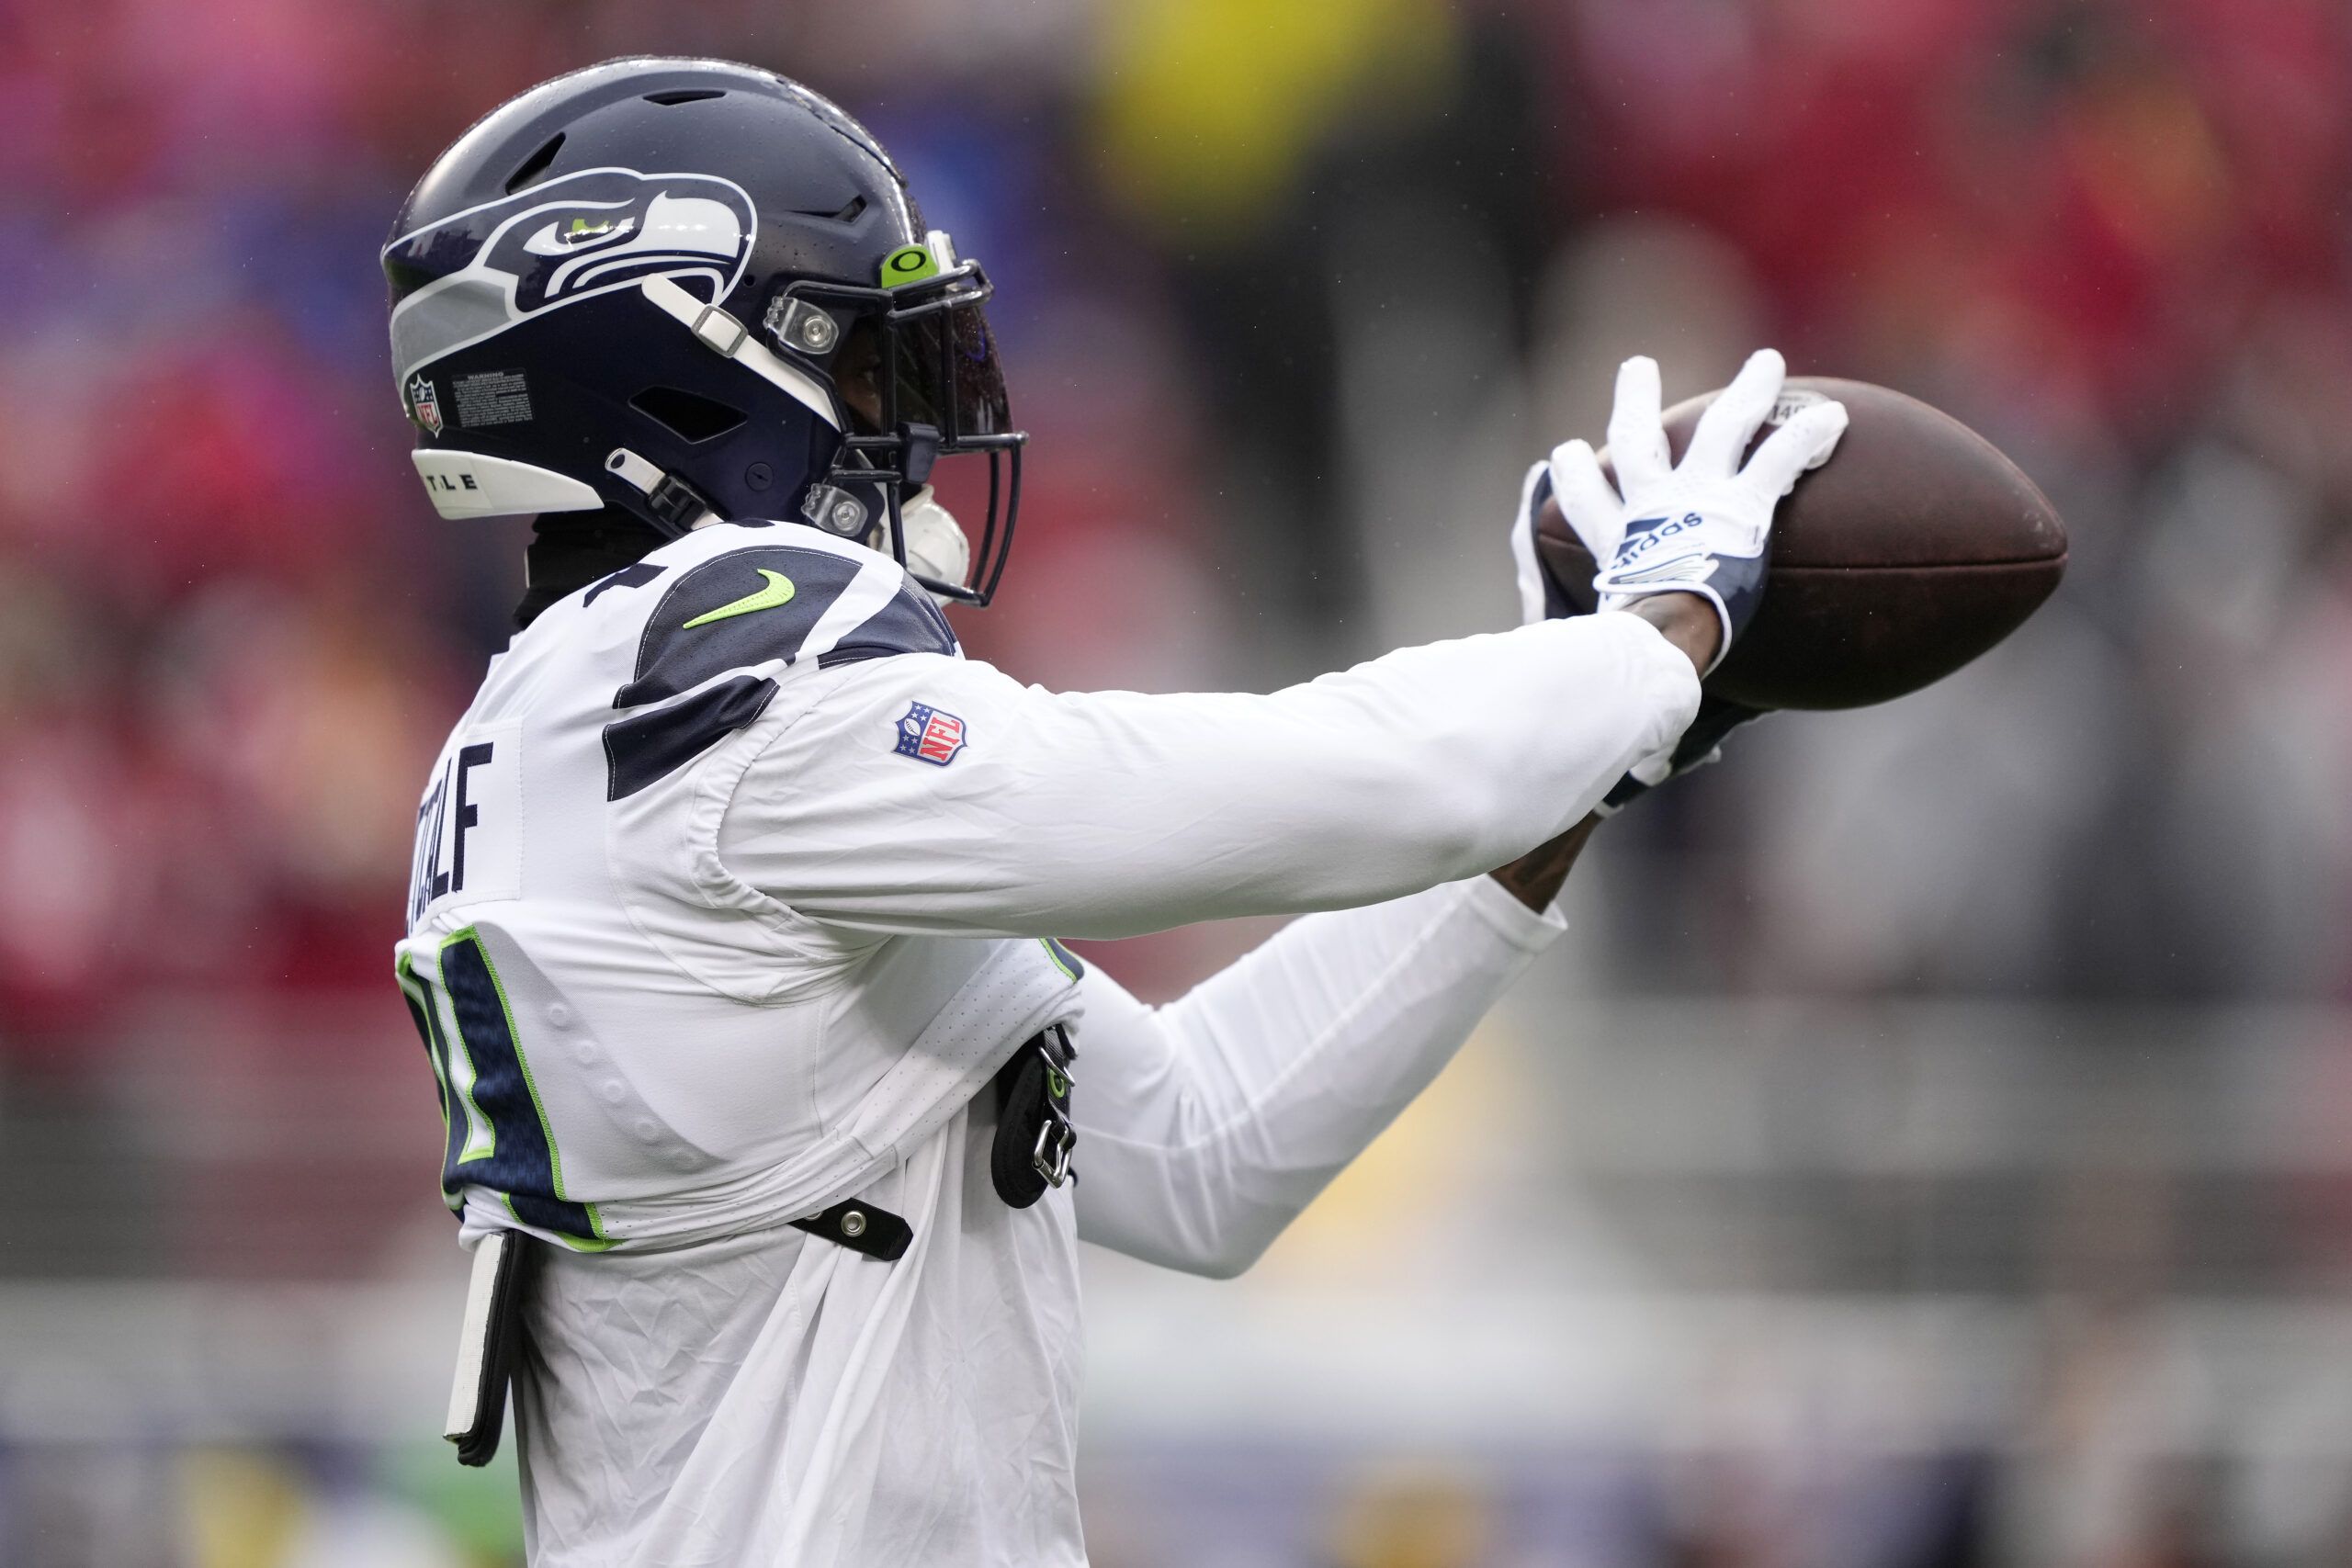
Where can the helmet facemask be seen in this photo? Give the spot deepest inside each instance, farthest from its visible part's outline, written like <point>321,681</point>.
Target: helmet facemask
<point>916,373</point>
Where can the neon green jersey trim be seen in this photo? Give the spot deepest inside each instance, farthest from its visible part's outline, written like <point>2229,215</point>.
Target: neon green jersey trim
<point>530,1084</point>
<point>576,1243</point>
<point>481,1132</point>
<point>420,996</point>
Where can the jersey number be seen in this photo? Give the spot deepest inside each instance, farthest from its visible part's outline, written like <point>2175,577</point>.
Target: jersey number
<point>495,1131</point>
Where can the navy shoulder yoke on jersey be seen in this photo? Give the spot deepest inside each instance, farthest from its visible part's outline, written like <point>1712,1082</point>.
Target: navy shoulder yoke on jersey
<point>720,623</point>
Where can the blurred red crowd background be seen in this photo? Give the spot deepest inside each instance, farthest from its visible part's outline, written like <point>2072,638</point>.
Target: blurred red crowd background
<point>2007,1018</point>
<point>2113,237</point>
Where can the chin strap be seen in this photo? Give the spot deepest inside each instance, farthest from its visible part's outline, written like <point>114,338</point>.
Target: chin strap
<point>730,339</point>
<point>935,546</point>
<point>678,506</point>
<point>677,503</point>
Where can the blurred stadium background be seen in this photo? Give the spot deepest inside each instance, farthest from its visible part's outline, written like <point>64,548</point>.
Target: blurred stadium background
<point>1932,1147</point>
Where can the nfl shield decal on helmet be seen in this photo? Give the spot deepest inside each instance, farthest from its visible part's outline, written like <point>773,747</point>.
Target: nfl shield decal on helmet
<point>930,736</point>
<point>424,403</point>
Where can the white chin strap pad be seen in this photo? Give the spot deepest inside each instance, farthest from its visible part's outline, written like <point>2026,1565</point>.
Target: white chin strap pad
<point>936,546</point>
<point>467,484</point>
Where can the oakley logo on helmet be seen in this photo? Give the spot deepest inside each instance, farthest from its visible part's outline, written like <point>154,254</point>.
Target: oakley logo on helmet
<point>490,266</point>
<point>908,264</point>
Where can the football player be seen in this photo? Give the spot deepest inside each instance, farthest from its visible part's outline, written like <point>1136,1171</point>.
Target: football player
<point>731,936</point>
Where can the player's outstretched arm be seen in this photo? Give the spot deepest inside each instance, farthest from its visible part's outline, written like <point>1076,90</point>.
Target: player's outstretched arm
<point>1211,1124</point>
<point>1109,814</point>
<point>1207,1125</point>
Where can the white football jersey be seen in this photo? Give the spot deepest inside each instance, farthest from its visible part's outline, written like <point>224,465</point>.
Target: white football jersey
<point>734,887</point>
<point>632,1048</point>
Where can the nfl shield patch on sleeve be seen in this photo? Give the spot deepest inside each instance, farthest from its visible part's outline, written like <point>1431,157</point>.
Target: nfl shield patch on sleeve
<point>930,736</point>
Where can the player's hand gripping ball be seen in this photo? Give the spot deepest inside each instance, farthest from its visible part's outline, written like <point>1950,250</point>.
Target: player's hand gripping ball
<point>1700,524</point>
<point>1913,549</point>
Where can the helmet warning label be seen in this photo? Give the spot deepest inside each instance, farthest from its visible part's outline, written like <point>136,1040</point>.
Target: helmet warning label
<point>491,396</point>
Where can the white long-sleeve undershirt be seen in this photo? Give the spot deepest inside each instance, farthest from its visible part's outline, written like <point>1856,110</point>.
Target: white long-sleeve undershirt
<point>1205,1126</point>
<point>1114,813</point>
<point>1376,796</point>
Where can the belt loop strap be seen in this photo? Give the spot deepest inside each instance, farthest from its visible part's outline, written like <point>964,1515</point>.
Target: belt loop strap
<point>863,1228</point>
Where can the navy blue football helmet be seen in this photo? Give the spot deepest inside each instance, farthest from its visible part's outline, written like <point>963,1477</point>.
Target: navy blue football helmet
<point>694,290</point>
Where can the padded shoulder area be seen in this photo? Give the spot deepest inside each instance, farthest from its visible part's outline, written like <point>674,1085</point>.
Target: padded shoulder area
<point>763,603</point>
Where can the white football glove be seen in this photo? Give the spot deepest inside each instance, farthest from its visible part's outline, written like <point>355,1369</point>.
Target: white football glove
<point>1539,596</point>
<point>1700,528</point>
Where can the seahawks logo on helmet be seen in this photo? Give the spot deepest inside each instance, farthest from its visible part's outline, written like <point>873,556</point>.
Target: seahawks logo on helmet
<point>484,269</point>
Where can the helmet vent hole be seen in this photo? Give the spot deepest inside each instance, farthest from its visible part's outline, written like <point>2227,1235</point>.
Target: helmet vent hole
<point>848,214</point>
<point>532,167</point>
<point>686,95</point>
<point>689,417</point>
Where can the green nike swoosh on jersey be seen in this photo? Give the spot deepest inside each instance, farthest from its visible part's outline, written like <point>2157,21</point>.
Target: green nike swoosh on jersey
<point>777,592</point>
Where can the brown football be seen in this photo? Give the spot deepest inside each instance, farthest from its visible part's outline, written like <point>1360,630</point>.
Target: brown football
<point>1914,548</point>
